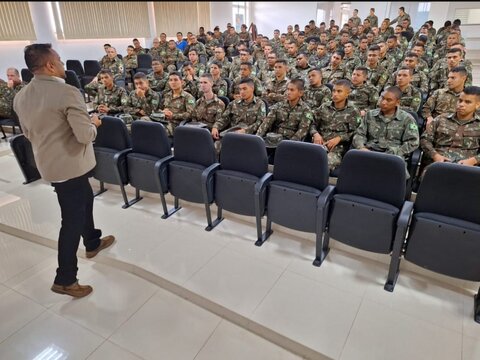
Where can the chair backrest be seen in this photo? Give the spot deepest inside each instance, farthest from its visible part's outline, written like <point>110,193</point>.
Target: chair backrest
<point>244,153</point>
<point>301,163</point>
<point>330,86</point>
<point>27,75</point>
<point>71,78</point>
<point>113,134</point>
<point>144,61</point>
<point>450,190</point>
<point>92,67</point>
<point>373,175</point>
<point>225,100</point>
<point>195,145</point>
<point>150,138</point>
<point>75,65</point>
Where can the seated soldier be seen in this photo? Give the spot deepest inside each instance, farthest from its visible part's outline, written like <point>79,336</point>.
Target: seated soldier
<point>455,137</point>
<point>267,73</point>
<point>142,101</point>
<point>209,108</point>
<point>388,129</point>
<point>419,78</point>
<point>109,97</point>
<point>114,64</point>
<point>334,71</point>
<point>439,73</point>
<point>275,90</point>
<point>105,57</point>
<point>243,115</point>
<point>211,44</point>
<point>444,101</point>
<point>316,93</point>
<point>300,71</point>
<point>377,74</point>
<point>350,60</point>
<point>190,81</point>
<point>364,96</point>
<point>177,104</point>
<point>137,48</point>
<point>321,58</point>
<point>130,63</point>
<point>246,73</point>
<point>8,90</point>
<point>158,79</point>
<point>194,44</point>
<point>220,86</point>
<point>197,66</point>
<point>290,118</point>
<point>411,96</point>
<point>335,123</point>
<point>172,57</point>
<point>219,56</point>
<point>243,57</point>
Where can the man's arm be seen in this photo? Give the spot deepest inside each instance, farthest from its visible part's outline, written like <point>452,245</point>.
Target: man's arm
<point>77,117</point>
<point>410,140</point>
<point>268,122</point>
<point>360,138</point>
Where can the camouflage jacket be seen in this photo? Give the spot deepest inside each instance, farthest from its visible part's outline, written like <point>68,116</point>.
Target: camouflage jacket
<point>299,73</point>
<point>226,67</point>
<point>330,75</point>
<point>6,98</point>
<point>158,83</point>
<point>363,97</point>
<point>275,91</point>
<point>373,20</point>
<point>452,138</point>
<point>171,57</point>
<point>266,74</point>
<point>139,51</point>
<point>191,86</point>
<point>235,71</point>
<point>397,135</point>
<point>439,75</point>
<point>208,111</point>
<point>257,84</point>
<point>130,62</point>
<point>442,101</point>
<point>182,106</point>
<point>349,64</point>
<point>411,99</point>
<point>419,80</point>
<point>210,46</point>
<point>115,66</point>
<point>112,98</point>
<point>292,123</point>
<point>331,122</point>
<point>157,53</point>
<point>199,69</point>
<point>132,104</point>
<point>377,76</point>
<point>316,96</point>
<point>319,62</point>
<point>239,112</point>
<point>220,87</point>
<point>197,46</point>
<point>230,40</point>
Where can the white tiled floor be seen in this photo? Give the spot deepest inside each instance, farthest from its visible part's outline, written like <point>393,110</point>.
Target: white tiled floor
<point>339,310</point>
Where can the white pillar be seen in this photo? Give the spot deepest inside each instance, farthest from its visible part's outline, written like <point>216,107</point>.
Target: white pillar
<point>43,22</point>
<point>153,25</point>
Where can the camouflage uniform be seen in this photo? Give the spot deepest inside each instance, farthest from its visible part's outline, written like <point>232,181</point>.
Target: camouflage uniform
<point>182,107</point>
<point>316,96</point>
<point>299,73</point>
<point>377,76</point>
<point>388,63</point>
<point>171,58</point>
<point>319,62</point>
<point>158,83</point>
<point>208,111</point>
<point>230,40</point>
<point>363,97</point>
<point>423,66</point>
<point>6,98</point>
<point>452,138</point>
<point>331,122</point>
<point>397,135</point>
<point>257,85</point>
<point>139,51</point>
<point>330,75</point>
<point>373,20</point>
<point>235,71</point>
<point>115,65</point>
<point>112,98</point>
<point>157,53</point>
<point>197,46</point>
<point>103,61</point>
<point>439,75</point>
<point>239,113</point>
<point>210,46</point>
<point>226,67</point>
<point>220,87</point>
<point>244,36</point>
<point>266,74</point>
<point>291,123</point>
<point>419,80</point>
<point>388,32</point>
<point>258,54</point>
<point>400,18</point>
<point>130,63</point>
<point>191,86</point>
<point>411,99</point>
<point>442,101</point>
<point>132,104</point>
<point>349,64</point>
<point>199,69</point>
<point>275,91</point>
<point>362,55</point>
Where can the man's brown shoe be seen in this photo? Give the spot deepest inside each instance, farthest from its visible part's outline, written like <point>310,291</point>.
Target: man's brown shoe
<point>104,243</point>
<point>76,290</point>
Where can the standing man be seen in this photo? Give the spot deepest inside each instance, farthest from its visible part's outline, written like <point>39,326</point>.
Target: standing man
<point>61,135</point>
<point>373,18</point>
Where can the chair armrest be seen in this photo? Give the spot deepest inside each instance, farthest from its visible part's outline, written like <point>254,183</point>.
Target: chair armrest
<point>207,176</point>
<point>402,226</point>
<point>263,183</point>
<point>121,154</point>
<point>323,205</point>
<point>160,173</point>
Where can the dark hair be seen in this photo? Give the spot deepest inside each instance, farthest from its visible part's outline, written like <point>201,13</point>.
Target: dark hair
<point>107,45</point>
<point>246,63</point>
<point>208,76</point>
<point>392,37</point>
<point>217,63</point>
<point>362,69</point>
<point>411,54</point>
<point>472,90</point>
<point>37,55</point>
<point>373,9</point>
<point>282,61</point>
<point>247,81</point>
<point>135,40</point>
<point>140,75</point>
<point>187,63</point>
<point>106,72</point>
<point>175,73</point>
<point>374,48</point>
<point>193,50</point>
<point>447,23</point>
<point>350,42</point>
<point>406,68</point>
<point>315,69</point>
<point>395,90</point>
<point>340,52</point>
<point>210,33</point>
<point>423,38</point>
<point>299,83</point>
<point>402,8</point>
<point>430,22</point>
<point>460,70</point>
<point>343,82</point>
<point>457,22</point>
<point>454,50</point>
<point>179,32</point>
<point>130,47</point>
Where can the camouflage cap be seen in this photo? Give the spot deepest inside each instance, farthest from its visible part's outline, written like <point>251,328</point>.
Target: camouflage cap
<point>273,139</point>
<point>158,117</point>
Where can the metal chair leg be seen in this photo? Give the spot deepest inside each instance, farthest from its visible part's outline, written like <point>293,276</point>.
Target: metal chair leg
<point>102,189</point>
<point>262,237</point>
<point>322,244</point>
<point>215,222</point>
<point>137,198</point>
<point>167,213</point>
<point>476,307</point>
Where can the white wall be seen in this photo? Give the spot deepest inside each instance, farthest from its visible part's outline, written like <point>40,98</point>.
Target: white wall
<point>220,14</point>
<point>269,16</point>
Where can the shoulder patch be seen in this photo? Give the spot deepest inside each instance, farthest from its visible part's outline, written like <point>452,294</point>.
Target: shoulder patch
<point>191,101</point>
<point>413,126</point>
<point>309,115</point>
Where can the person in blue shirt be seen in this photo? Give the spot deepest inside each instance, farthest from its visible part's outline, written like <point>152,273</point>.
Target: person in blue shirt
<point>181,43</point>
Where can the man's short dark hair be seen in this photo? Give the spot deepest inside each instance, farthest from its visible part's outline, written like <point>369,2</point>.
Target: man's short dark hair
<point>217,63</point>
<point>395,90</point>
<point>447,23</point>
<point>208,76</point>
<point>315,69</point>
<point>187,63</point>
<point>374,48</point>
<point>406,68</point>
<point>350,42</point>
<point>130,47</point>
<point>392,37</point>
<point>107,45</point>
<point>37,56</point>
<point>412,55</point>
<point>362,69</point>
<point>402,8</point>
<point>106,72</point>
<point>140,75</point>
<point>460,70</point>
<point>246,63</point>
<point>340,52</point>
<point>281,61</point>
<point>298,83</point>
<point>454,50</point>
<point>343,82</point>
<point>175,73</point>
<point>135,40</point>
<point>193,50</point>
<point>472,90</point>
<point>457,22</point>
<point>179,33</point>
<point>373,9</point>
<point>247,81</point>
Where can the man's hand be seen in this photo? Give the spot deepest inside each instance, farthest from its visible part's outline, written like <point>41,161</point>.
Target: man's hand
<point>440,158</point>
<point>330,144</point>
<point>94,80</point>
<point>168,114</point>
<point>469,162</point>
<point>317,139</point>
<point>142,112</point>
<point>102,108</point>
<point>140,93</point>
<point>215,134</point>
<point>240,131</point>
<point>362,113</point>
<point>429,119</point>
<point>96,120</point>
<point>10,84</point>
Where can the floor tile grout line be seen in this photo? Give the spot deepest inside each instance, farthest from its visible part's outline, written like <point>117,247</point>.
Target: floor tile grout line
<point>268,292</point>
<point>209,337</point>
<point>28,323</point>
<point>98,347</point>
<point>350,330</point>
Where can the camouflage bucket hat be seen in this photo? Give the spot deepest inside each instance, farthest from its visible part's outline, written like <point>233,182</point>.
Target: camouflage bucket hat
<point>273,139</point>
<point>126,118</point>
<point>158,117</point>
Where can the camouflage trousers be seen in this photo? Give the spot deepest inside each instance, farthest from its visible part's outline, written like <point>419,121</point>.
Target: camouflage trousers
<point>334,158</point>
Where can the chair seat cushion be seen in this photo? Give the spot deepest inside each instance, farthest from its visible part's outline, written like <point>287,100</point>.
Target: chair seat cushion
<point>105,168</point>
<point>185,181</point>
<point>141,171</point>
